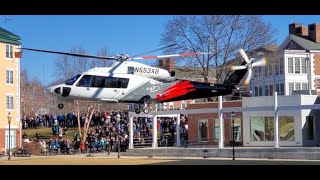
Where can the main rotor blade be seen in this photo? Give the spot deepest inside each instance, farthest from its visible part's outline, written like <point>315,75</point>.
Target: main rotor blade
<point>154,50</point>
<point>247,81</point>
<point>261,62</point>
<point>244,55</point>
<point>70,54</point>
<point>170,55</point>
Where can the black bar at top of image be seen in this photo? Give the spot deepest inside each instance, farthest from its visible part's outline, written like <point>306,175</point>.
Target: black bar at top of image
<point>156,7</point>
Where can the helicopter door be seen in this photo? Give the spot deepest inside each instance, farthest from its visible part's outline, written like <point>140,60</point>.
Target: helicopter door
<point>119,86</point>
<point>84,89</point>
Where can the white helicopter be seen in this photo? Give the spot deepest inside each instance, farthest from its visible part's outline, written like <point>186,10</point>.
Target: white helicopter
<point>128,81</point>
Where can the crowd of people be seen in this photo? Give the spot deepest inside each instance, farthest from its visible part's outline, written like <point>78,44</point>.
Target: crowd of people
<point>106,133</point>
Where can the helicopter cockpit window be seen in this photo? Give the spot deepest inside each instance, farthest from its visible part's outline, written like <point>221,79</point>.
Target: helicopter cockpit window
<point>130,70</point>
<point>72,80</point>
<point>85,81</point>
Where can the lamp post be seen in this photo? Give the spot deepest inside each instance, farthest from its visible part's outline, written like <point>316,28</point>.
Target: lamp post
<point>232,118</point>
<point>118,133</point>
<point>9,122</point>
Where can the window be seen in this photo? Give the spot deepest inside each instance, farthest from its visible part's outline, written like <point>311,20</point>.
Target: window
<point>266,71</point>
<point>281,67</point>
<point>262,129</point>
<point>9,51</point>
<point>13,138</point>
<point>286,127</point>
<point>255,72</point>
<point>298,86</point>
<point>270,69</point>
<point>9,102</point>
<point>256,91</point>
<point>216,130</point>
<point>271,90</point>
<point>291,88</point>
<point>203,130</point>
<point>281,89</point>
<point>237,130</point>
<point>183,105</point>
<point>260,91</point>
<point>318,83</point>
<point>84,81</point>
<point>290,65</point>
<point>72,80</point>
<point>304,86</point>
<point>130,70</point>
<point>303,66</point>
<point>266,90</point>
<point>276,69</point>
<point>309,129</point>
<point>9,77</point>
<point>171,106</point>
<point>297,65</point>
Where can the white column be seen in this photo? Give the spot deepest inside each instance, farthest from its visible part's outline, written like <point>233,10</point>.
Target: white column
<point>130,130</point>
<point>276,121</point>
<point>154,132</point>
<point>221,139</point>
<point>178,131</point>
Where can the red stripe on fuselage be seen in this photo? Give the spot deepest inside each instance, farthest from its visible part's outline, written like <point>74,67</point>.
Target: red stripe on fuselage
<point>179,89</point>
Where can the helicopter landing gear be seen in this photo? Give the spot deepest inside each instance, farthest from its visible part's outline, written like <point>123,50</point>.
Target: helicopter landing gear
<point>137,111</point>
<point>143,107</point>
<point>60,106</point>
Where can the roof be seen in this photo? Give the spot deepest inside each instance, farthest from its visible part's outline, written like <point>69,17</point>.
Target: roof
<point>304,42</point>
<point>9,37</point>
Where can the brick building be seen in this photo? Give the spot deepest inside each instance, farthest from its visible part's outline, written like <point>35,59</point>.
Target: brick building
<point>10,89</point>
<point>205,127</point>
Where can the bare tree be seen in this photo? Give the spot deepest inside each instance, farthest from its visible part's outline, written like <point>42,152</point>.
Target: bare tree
<point>220,35</point>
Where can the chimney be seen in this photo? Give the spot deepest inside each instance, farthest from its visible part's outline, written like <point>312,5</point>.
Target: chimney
<point>293,27</point>
<point>314,32</point>
<point>167,63</point>
<point>298,29</point>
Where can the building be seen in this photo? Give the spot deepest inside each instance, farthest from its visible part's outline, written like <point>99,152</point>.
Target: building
<point>293,71</point>
<point>297,127</point>
<point>10,89</point>
<point>295,67</point>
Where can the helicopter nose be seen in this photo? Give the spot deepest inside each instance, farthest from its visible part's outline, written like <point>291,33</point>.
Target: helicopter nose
<point>54,90</point>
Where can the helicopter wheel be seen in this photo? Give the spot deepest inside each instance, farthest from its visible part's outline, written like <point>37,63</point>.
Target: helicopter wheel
<point>137,111</point>
<point>146,110</point>
<point>60,106</point>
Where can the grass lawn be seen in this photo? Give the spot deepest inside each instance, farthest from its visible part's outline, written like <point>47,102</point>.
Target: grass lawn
<point>48,132</point>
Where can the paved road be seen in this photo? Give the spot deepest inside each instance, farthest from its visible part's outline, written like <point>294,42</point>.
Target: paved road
<point>113,160</point>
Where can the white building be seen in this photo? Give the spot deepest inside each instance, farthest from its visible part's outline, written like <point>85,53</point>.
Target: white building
<point>294,67</point>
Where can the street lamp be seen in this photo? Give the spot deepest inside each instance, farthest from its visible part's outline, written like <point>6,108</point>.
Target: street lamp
<point>118,133</point>
<point>232,118</point>
<point>9,122</point>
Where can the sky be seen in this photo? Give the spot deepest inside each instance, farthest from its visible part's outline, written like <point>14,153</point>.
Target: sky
<point>128,34</point>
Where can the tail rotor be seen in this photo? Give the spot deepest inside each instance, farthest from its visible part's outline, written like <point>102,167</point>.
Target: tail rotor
<point>250,63</point>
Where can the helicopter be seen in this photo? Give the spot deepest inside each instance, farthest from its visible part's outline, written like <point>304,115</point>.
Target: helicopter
<point>127,81</point>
